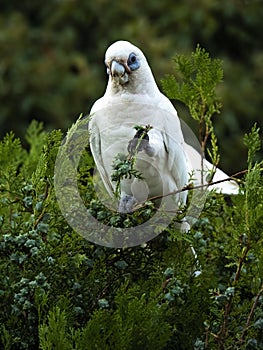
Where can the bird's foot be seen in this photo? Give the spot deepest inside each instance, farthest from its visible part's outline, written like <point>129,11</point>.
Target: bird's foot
<point>126,204</point>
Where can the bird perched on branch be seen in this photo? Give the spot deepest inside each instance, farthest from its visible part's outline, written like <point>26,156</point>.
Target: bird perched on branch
<point>163,158</point>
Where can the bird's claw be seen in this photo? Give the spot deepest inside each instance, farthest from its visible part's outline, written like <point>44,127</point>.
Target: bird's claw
<point>126,204</point>
<point>139,142</point>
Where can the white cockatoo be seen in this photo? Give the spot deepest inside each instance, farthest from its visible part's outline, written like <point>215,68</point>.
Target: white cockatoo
<point>163,158</point>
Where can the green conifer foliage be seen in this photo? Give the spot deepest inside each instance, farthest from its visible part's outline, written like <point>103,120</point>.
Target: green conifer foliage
<point>60,291</point>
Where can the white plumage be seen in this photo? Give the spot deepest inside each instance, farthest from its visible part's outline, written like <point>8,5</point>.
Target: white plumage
<point>133,98</point>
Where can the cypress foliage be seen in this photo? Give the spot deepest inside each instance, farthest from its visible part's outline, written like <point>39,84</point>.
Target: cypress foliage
<point>59,291</point>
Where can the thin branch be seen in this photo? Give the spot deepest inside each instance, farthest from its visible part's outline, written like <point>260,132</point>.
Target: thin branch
<point>224,328</point>
<point>191,187</point>
<point>187,188</point>
<point>250,316</point>
<point>43,211</point>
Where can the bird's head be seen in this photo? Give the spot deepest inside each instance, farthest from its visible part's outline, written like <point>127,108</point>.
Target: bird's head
<point>127,68</point>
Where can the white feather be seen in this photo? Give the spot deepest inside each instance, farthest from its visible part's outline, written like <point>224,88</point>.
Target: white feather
<point>139,101</point>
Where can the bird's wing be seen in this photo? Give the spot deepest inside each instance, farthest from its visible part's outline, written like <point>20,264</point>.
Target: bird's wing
<point>96,149</point>
<point>193,156</point>
<point>174,142</point>
<point>176,165</point>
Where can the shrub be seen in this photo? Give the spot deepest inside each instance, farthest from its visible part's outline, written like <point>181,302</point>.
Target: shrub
<point>59,291</point>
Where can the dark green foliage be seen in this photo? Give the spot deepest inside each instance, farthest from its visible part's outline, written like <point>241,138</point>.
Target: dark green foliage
<point>132,325</point>
<point>46,266</point>
<point>59,291</point>
<point>200,76</point>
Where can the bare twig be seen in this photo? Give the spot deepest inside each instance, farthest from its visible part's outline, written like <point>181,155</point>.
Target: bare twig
<point>191,187</point>
<point>250,316</point>
<point>43,211</point>
<point>224,328</point>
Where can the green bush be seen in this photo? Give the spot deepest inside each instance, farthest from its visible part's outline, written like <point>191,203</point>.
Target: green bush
<point>59,291</point>
<point>132,325</point>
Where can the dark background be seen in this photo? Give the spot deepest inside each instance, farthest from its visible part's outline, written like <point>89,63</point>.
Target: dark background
<point>52,53</point>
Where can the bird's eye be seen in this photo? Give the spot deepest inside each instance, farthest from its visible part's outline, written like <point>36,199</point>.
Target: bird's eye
<point>133,62</point>
<point>132,58</point>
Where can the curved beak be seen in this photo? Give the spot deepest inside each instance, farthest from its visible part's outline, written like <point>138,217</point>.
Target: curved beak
<point>119,71</point>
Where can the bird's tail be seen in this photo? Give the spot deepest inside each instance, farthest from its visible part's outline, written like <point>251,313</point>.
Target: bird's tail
<point>223,183</point>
